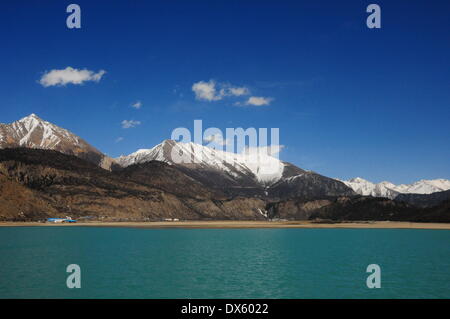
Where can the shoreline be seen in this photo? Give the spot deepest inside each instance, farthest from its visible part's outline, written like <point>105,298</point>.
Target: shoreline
<point>241,224</point>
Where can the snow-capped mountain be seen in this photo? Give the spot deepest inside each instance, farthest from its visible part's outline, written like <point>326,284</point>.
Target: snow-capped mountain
<point>263,168</point>
<point>254,174</point>
<point>390,190</point>
<point>34,132</point>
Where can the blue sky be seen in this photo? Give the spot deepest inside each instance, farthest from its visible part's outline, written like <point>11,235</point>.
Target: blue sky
<point>349,101</point>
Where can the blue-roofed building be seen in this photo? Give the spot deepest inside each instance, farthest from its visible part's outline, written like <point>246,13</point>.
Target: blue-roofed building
<point>68,219</point>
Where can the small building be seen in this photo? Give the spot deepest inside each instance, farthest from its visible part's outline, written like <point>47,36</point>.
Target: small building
<point>61,220</point>
<point>55,220</point>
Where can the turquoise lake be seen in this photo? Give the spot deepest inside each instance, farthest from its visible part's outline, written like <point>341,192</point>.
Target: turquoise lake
<point>223,263</point>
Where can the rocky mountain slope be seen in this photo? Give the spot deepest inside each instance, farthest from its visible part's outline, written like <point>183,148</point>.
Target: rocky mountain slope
<point>358,208</point>
<point>36,184</point>
<point>424,200</point>
<point>309,186</point>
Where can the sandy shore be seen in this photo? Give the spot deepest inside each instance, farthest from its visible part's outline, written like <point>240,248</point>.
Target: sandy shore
<point>241,224</point>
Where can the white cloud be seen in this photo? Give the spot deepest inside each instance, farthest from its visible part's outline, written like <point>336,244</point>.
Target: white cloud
<point>258,101</point>
<point>69,75</point>
<point>212,91</point>
<point>216,138</point>
<point>206,91</point>
<point>137,105</point>
<point>130,123</point>
<point>119,139</point>
<point>238,91</point>
<point>263,150</point>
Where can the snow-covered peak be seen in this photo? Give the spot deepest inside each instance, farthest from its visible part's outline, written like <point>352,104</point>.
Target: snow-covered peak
<point>32,115</point>
<point>34,132</point>
<point>31,120</point>
<point>265,168</point>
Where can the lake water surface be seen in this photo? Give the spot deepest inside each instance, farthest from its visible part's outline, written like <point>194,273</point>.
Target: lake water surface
<point>223,263</point>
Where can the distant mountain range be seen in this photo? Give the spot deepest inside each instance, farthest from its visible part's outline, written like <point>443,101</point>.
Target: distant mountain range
<point>389,190</point>
<point>47,171</point>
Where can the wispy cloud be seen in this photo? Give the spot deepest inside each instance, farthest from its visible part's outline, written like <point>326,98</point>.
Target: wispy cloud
<point>130,123</point>
<point>119,139</point>
<point>69,75</point>
<point>258,101</point>
<point>137,105</point>
<point>238,91</point>
<point>213,91</point>
<point>206,91</point>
